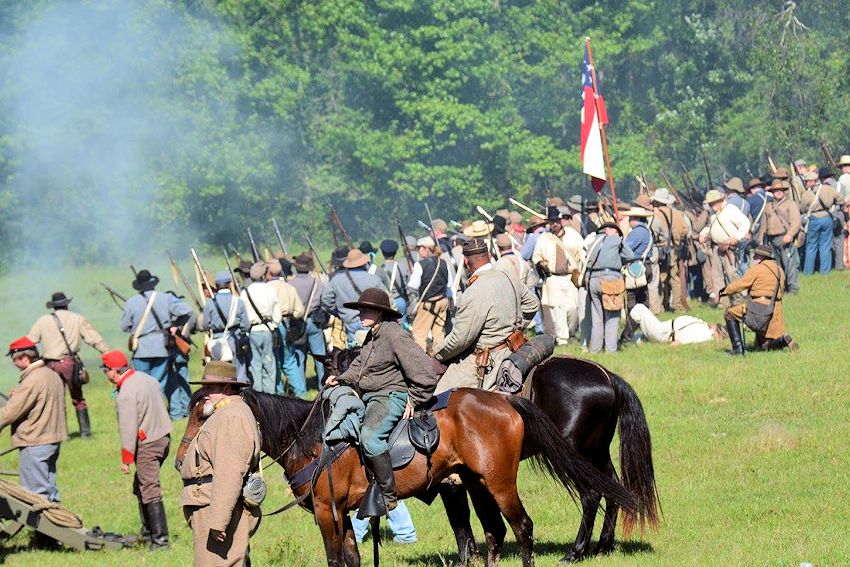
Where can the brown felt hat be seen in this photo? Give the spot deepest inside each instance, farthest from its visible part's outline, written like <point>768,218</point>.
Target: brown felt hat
<point>374,298</point>
<point>755,182</point>
<point>763,251</point>
<point>534,223</point>
<point>355,259</point>
<point>734,184</point>
<point>219,372</point>
<point>304,263</point>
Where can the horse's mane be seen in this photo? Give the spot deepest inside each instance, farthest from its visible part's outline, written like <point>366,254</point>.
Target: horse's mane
<point>197,396</point>
<point>281,419</point>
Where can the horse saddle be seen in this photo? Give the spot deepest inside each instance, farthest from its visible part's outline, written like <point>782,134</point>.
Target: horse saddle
<point>419,433</point>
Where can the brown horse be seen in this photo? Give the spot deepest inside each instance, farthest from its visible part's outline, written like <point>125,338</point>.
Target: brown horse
<point>587,403</point>
<point>483,437</point>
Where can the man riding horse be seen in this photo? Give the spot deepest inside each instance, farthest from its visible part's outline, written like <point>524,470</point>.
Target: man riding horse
<point>488,324</point>
<point>393,375</point>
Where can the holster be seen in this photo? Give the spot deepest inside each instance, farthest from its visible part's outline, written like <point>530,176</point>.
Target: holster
<point>482,360</point>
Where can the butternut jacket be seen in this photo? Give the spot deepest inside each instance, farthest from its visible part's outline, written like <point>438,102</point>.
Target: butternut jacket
<point>36,408</point>
<point>781,218</point>
<point>142,417</point>
<point>77,328</point>
<point>760,280</point>
<point>391,361</point>
<point>227,447</point>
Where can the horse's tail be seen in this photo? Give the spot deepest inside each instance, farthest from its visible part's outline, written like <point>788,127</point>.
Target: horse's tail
<point>636,470</point>
<point>552,453</point>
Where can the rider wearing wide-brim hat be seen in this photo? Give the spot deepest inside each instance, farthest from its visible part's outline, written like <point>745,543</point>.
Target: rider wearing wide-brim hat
<point>392,374</point>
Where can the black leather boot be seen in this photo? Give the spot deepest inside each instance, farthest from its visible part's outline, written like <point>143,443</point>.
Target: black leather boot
<point>85,425</point>
<point>383,470</point>
<point>158,526</point>
<point>781,343</point>
<point>734,329</point>
<point>146,530</point>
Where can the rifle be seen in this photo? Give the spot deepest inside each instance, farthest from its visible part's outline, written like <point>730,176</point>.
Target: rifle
<point>135,272</point>
<point>202,273</point>
<point>433,231</point>
<point>116,297</point>
<point>176,269</point>
<point>827,155</point>
<point>526,208</point>
<point>792,173</point>
<point>333,230</point>
<point>255,252</point>
<point>335,218</point>
<point>492,245</point>
<point>279,237</point>
<point>315,254</point>
<point>707,170</point>
<point>771,164</point>
<point>235,252</point>
<point>689,183</point>
<point>407,255</point>
<point>230,269</point>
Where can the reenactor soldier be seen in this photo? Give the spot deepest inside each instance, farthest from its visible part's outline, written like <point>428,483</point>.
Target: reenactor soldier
<point>36,413</point>
<point>309,287</point>
<point>494,307</point>
<point>264,312</point>
<point>669,227</point>
<point>60,334</point>
<point>224,452</point>
<point>145,432</point>
<point>428,305</point>
<point>817,222</point>
<point>398,274</point>
<point>764,281</point>
<point>757,200</point>
<point>394,377</point>
<point>345,286</point>
<point>726,227</point>
<point>225,317</point>
<point>509,259</point>
<point>779,229</point>
<point>153,320</point>
<point>291,307</point>
<point>557,254</point>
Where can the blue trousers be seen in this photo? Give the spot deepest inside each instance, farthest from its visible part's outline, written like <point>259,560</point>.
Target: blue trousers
<point>819,243</point>
<point>399,521</point>
<point>288,364</point>
<point>263,370</point>
<point>743,256</point>
<point>37,469</point>
<point>174,385</point>
<point>316,343</point>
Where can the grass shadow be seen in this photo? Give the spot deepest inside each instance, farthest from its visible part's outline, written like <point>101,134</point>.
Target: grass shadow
<point>541,549</point>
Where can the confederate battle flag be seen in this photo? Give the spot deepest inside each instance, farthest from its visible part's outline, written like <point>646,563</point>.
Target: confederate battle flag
<point>592,115</point>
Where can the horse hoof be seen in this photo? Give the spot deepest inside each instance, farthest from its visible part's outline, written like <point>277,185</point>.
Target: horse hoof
<point>605,549</point>
<point>571,557</point>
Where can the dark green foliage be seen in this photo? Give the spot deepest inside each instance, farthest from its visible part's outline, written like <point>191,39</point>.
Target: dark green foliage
<point>253,109</point>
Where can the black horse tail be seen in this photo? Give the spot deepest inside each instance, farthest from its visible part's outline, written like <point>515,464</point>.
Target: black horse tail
<point>636,470</point>
<point>552,453</point>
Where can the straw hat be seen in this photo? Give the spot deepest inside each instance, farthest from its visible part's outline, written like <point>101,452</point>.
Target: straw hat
<point>637,212</point>
<point>662,195</point>
<point>478,228</point>
<point>843,160</point>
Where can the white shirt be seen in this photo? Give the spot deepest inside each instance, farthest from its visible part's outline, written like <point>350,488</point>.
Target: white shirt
<point>689,330</point>
<point>265,298</point>
<point>416,277</point>
<point>726,224</point>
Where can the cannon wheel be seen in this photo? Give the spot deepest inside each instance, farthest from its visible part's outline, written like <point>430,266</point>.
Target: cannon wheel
<point>9,528</point>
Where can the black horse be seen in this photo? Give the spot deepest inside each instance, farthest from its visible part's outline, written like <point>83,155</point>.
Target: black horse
<point>586,402</point>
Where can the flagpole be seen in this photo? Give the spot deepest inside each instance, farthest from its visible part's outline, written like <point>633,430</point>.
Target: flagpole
<point>602,128</point>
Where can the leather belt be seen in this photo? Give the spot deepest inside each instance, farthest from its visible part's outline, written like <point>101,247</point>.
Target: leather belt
<point>500,346</point>
<point>197,481</point>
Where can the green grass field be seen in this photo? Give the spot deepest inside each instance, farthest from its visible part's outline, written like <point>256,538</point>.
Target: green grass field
<point>750,454</point>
